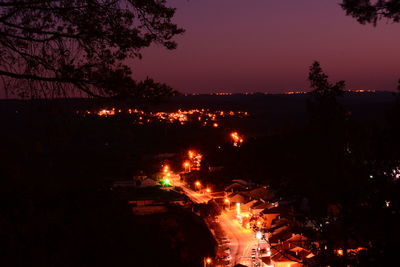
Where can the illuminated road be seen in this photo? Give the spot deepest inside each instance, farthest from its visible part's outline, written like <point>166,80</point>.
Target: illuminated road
<point>242,240</point>
<point>195,196</point>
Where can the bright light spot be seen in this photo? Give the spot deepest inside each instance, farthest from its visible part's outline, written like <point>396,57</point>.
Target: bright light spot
<point>208,260</point>
<point>340,252</point>
<point>197,183</point>
<point>238,209</point>
<point>215,125</point>
<point>396,173</point>
<point>259,235</point>
<point>208,190</point>
<point>226,201</point>
<point>166,182</point>
<point>387,203</point>
<point>166,169</point>
<point>236,138</point>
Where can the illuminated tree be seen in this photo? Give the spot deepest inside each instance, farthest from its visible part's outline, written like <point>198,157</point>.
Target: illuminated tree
<point>61,47</point>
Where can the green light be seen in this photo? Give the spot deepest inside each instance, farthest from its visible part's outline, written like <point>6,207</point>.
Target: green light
<point>166,182</point>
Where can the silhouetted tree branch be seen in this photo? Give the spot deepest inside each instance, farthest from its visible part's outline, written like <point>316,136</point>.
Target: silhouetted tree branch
<point>367,11</point>
<point>81,45</point>
<point>323,105</point>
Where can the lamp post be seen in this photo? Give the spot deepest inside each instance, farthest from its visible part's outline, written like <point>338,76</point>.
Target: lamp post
<point>186,165</point>
<point>227,202</point>
<point>207,261</point>
<point>197,185</point>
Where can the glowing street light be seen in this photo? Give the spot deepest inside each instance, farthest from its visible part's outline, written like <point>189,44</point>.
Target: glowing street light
<point>166,169</point>
<point>227,202</point>
<point>191,154</point>
<point>259,235</point>
<point>237,139</point>
<point>208,190</point>
<point>207,261</point>
<point>268,252</point>
<point>197,184</point>
<point>238,209</point>
<point>166,182</point>
<point>186,165</point>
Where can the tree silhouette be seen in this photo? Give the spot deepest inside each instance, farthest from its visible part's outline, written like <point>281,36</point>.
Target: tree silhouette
<point>323,105</point>
<point>366,11</point>
<point>60,47</point>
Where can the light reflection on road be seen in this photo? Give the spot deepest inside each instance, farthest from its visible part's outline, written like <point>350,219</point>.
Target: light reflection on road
<point>242,240</point>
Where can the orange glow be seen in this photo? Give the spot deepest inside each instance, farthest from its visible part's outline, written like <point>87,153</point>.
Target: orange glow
<point>166,169</point>
<point>197,183</point>
<point>186,164</point>
<point>106,112</point>
<point>206,116</point>
<point>226,201</point>
<point>208,190</point>
<point>340,252</point>
<point>208,260</point>
<point>236,138</point>
<point>238,209</point>
<point>191,154</point>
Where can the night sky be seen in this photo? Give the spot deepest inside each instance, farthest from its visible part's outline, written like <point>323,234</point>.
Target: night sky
<point>268,46</point>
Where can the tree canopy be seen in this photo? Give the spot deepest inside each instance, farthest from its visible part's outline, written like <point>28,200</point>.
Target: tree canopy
<point>367,11</point>
<point>323,105</point>
<point>60,47</point>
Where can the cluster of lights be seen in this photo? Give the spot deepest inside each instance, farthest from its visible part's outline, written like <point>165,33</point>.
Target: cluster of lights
<point>166,181</point>
<point>362,91</point>
<point>295,93</point>
<point>396,173</point>
<point>193,162</point>
<point>237,139</point>
<point>203,116</point>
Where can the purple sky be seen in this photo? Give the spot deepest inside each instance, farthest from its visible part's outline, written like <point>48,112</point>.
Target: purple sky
<point>268,46</point>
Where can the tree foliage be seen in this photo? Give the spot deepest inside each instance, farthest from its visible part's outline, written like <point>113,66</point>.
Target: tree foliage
<point>55,47</point>
<point>367,11</point>
<point>323,105</point>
